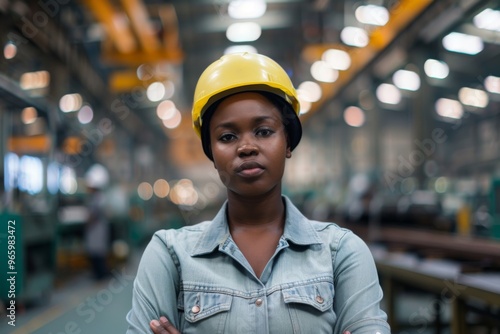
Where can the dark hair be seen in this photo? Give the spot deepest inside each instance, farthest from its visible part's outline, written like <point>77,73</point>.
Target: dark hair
<point>290,120</point>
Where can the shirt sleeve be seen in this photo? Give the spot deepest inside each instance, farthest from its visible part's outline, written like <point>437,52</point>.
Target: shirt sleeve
<point>156,286</point>
<point>357,289</point>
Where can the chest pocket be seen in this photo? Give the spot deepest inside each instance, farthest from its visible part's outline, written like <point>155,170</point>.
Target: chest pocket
<point>311,307</point>
<point>204,312</point>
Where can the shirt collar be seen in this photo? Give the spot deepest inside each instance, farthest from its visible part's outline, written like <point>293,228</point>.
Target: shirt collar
<point>298,230</point>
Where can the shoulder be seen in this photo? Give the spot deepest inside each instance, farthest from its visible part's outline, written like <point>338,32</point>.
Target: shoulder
<point>184,236</point>
<point>337,236</point>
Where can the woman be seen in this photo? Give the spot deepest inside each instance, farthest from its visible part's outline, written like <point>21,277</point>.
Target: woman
<point>259,266</point>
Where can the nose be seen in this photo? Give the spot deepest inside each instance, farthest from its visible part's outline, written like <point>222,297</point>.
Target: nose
<point>247,148</point>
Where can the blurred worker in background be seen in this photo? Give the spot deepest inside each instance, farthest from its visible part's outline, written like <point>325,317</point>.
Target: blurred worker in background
<point>97,234</point>
<point>259,266</point>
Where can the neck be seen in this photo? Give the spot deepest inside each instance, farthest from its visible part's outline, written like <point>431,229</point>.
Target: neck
<point>260,212</point>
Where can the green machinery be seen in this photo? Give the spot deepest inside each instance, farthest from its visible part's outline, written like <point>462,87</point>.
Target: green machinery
<point>495,208</point>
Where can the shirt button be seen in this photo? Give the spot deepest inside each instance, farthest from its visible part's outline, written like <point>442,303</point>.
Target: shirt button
<point>258,302</point>
<point>320,299</point>
<point>195,309</point>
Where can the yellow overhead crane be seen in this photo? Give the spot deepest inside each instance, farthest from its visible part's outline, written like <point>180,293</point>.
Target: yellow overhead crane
<point>132,39</point>
<point>400,16</point>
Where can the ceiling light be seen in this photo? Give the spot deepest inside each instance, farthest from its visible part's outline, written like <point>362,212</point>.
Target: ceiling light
<point>449,108</point>
<point>337,59</point>
<point>29,115</point>
<point>145,191</point>
<point>246,9</point>
<point>436,69</point>
<point>70,102</point>
<point>9,50</point>
<point>145,72</point>
<point>354,116</point>
<point>155,91</point>
<point>354,36</point>
<point>240,49</point>
<point>473,97</point>
<point>488,19</point>
<point>34,80</point>
<point>407,80</point>
<point>85,115</point>
<point>322,72</point>
<point>166,110</point>
<point>305,106</point>
<point>492,84</point>
<point>243,32</point>
<point>388,93</point>
<point>174,121</point>
<point>161,188</point>
<point>309,91</point>
<point>463,43</point>
<point>372,14</point>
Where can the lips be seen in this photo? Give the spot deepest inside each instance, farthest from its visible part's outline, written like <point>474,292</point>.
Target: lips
<point>250,169</point>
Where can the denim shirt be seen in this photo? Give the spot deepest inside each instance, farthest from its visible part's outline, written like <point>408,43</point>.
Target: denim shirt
<point>321,279</point>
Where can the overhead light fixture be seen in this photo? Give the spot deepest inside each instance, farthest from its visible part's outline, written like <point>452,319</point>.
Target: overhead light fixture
<point>246,9</point>
<point>29,115</point>
<point>174,121</point>
<point>408,80</point>
<point>155,91</point>
<point>492,84</point>
<point>354,116</point>
<point>488,19</point>
<point>389,94</point>
<point>70,102</point>
<point>309,91</point>
<point>449,108</point>
<point>322,72</point>
<point>85,114</point>
<point>473,97</point>
<point>240,49</point>
<point>161,188</point>
<point>9,50</point>
<point>145,191</point>
<point>166,110</point>
<point>463,43</point>
<point>372,14</point>
<point>145,72</point>
<point>436,69</point>
<point>305,106</point>
<point>337,59</point>
<point>243,32</point>
<point>34,80</point>
<point>354,36</point>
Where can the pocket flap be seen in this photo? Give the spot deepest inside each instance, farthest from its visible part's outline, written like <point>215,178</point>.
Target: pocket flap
<point>318,295</point>
<point>201,305</point>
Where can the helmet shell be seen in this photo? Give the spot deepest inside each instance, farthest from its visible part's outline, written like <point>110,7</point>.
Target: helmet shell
<point>241,72</point>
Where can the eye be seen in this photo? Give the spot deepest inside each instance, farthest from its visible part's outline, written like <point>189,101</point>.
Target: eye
<point>264,132</point>
<point>227,137</point>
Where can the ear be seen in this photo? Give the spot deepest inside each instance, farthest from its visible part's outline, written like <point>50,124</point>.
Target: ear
<point>288,152</point>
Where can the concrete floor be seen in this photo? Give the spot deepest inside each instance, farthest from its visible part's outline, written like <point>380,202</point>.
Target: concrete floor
<point>82,306</point>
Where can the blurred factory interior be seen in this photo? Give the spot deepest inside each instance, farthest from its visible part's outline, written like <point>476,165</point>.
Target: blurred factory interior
<point>400,104</point>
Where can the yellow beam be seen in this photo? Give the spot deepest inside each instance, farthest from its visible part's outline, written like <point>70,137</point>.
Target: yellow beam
<point>29,144</point>
<point>313,52</point>
<point>400,16</point>
<point>115,24</point>
<point>139,58</point>
<point>124,81</point>
<point>168,18</point>
<point>139,17</point>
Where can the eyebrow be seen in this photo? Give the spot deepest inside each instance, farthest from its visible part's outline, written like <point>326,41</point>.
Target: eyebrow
<point>256,120</point>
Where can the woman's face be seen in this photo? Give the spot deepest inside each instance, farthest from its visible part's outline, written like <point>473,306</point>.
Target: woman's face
<point>249,144</point>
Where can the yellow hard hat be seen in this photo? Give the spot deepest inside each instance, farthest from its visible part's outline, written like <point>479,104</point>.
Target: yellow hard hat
<point>241,72</point>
